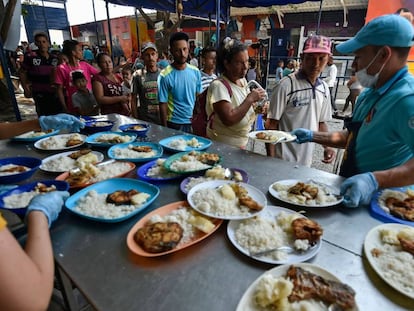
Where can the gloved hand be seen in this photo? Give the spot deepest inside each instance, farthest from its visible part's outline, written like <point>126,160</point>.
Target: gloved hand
<point>50,204</point>
<point>61,121</point>
<point>358,189</point>
<point>302,135</point>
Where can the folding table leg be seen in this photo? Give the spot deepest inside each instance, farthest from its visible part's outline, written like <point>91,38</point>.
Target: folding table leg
<point>66,289</point>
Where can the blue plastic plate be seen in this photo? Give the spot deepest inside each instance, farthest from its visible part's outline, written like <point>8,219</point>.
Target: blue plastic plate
<point>92,139</point>
<point>155,147</point>
<point>377,212</point>
<point>60,185</point>
<point>143,170</point>
<point>24,138</point>
<point>203,142</point>
<point>109,186</point>
<point>141,129</point>
<point>31,162</point>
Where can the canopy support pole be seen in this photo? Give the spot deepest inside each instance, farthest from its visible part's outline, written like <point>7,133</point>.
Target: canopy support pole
<point>319,17</point>
<point>137,30</point>
<point>217,23</point>
<point>96,25</point>
<point>109,30</point>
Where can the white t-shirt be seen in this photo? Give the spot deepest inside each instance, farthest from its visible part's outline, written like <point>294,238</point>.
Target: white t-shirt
<point>237,134</point>
<point>296,103</point>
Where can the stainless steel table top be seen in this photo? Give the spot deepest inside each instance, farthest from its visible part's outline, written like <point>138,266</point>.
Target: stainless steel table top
<point>211,275</point>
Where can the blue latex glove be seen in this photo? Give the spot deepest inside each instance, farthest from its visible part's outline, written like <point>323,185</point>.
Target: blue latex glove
<point>358,189</point>
<point>61,121</point>
<point>49,203</point>
<point>302,135</point>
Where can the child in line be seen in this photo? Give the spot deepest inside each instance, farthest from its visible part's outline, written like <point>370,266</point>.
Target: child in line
<point>83,98</point>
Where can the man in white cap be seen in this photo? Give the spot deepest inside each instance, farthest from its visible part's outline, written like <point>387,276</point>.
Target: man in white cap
<point>379,139</point>
<point>302,99</point>
<point>144,100</point>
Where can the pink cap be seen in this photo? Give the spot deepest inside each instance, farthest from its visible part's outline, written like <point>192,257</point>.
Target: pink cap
<point>317,44</point>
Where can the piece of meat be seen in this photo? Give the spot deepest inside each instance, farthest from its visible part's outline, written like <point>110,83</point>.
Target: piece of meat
<point>261,135</point>
<point>41,187</point>
<point>73,142</point>
<point>142,148</point>
<point>250,203</point>
<point>403,209</point>
<point>307,285</point>
<point>77,154</point>
<point>407,245</point>
<point>15,169</point>
<point>297,188</point>
<point>208,158</point>
<point>159,237</point>
<point>121,197</point>
<point>307,190</point>
<point>306,229</point>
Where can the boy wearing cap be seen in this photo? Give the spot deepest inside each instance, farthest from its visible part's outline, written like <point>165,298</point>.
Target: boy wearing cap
<point>178,85</point>
<point>379,139</point>
<point>36,76</point>
<point>144,98</point>
<point>302,99</point>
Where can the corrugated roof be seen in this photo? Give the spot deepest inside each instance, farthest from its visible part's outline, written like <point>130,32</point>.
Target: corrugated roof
<point>309,6</point>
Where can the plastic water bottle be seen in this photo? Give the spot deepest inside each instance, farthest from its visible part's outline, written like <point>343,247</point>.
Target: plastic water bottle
<point>253,84</point>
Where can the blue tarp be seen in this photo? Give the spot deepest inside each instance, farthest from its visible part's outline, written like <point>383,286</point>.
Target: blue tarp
<point>203,7</point>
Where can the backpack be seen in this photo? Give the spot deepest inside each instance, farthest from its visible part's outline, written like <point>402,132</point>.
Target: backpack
<point>200,119</point>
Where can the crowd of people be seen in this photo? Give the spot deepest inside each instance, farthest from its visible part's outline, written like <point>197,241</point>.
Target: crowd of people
<point>378,139</point>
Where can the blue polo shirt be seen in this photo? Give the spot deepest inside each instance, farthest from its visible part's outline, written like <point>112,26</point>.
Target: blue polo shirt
<point>178,88</point>
<point>386,137</point>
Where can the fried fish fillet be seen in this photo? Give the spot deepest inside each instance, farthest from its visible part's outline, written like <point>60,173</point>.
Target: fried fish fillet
<point>121,197</point>
<point>142,148</point>
<point>159,237</point>
<point>77,154</point>
<point>403,209</point>
<point>307,285</point>
<point>306,229</point>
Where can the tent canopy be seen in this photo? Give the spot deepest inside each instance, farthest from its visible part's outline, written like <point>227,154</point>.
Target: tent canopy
<point>203,7</point>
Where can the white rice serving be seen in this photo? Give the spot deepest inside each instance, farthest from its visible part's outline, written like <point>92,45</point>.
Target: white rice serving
<point>109,138</point>
<point>262,233</point>
<point>188,164</point>
<point>323,196</point>
<point>210,201</point>
<point>94,204</point>
<point>159,171</point>
<point>111,170</point>
<point>129,153</point>
<point>21,200</point>
<point>58,142</point>
<point>182,144</point>
<point>32,134</point>
<point>65,163</point>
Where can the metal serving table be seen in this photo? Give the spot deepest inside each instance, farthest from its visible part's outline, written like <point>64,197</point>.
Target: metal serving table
<point>210,275</point>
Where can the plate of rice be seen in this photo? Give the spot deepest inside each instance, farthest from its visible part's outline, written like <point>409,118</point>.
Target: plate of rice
<point>402,196</point>
<point>94,201</point>
<point>214,173</point>
<point>191,162</point>
<point>18,198</point>
<point>274,290</point>
<point>62,162</point>
<point>89,174</point>
<point>195,227</point>
<point>108,138</point>
<point>136,152</point>
<point>154,171</point>
<point>34,135</point>
<point>226,199</point>
<point>390,252</point>
<point>270,229</point>
<point>305,193</point>
<point>61,142</point>
<point>186,142</point>
<point>272,136</point>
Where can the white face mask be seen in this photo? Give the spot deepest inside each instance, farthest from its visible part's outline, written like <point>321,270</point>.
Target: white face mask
<point>365,79</point>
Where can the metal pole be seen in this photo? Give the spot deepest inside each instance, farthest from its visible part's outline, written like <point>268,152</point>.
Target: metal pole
<point>45,18</point>
<point>217,23</point>
<point>3,63</point>
<point>109,29</point>
<point>137,29</point>
<point>96,25</point>
<point>209,28</point>
<point>319,17</point>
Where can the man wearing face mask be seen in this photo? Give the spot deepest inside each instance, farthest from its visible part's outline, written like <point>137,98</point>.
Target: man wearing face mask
<point>379,139</point>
